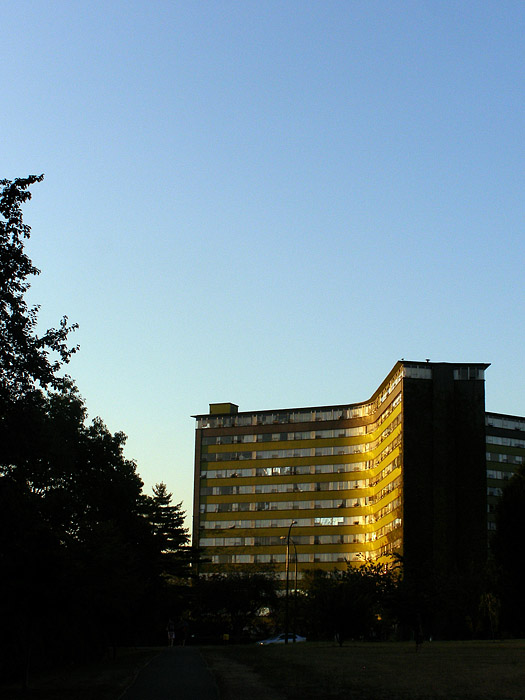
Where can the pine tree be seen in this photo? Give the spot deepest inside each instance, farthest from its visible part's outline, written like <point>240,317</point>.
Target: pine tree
<point>173,537</point>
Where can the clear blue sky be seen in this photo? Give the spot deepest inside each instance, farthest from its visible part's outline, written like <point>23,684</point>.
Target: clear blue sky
<point>268,202</point>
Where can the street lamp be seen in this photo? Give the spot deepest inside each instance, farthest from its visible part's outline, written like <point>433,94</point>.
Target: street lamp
<point>286,613</point>
<point>295,586</point>
<point>294,616</point>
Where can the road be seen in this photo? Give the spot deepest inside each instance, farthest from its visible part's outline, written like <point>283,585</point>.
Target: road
<point>178,673</point>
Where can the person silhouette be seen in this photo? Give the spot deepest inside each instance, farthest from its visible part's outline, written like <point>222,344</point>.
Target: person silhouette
<point>170,629</point>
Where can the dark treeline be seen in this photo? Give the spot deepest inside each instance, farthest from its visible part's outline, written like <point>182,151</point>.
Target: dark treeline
<point>87,560</point>
<point>376,602</point>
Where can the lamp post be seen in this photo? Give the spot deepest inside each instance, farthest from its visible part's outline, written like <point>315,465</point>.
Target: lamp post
<point>294,615</point>
<point>286,610</point>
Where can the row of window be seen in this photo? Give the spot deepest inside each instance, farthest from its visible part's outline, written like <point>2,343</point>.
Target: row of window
<point>307,415</point>
<point>280,575</point>
<point>282,488</point>
<point>283,417</point>
<point>347,503</point>
<point>280,541</point>
<point>508,423</point>
<point>504,458</point>
<point>469,373</point>
<point>283,437</point>
<point>279,454</point>
<point>318,557</point>
<point>276,505</point>
<point>329,521</point>
<point>418,372</point>
<point>494,474</point>
<point>302,435</point>
<point>303,505</point>
<point>509,442</point>
<point>297,470</point>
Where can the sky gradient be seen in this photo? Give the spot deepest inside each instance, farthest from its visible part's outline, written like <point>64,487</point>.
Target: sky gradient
<point>267,202</point>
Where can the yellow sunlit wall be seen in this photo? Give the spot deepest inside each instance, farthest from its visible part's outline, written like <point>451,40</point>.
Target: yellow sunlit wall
<point>337,471</point>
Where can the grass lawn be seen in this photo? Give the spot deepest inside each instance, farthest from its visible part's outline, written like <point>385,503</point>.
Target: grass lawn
<point>371,671</point>
<point>105,680</point>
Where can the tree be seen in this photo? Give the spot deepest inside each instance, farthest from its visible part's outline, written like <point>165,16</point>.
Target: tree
<point>172,537</point>
<point>77,550</point>
<point>357,603</point>
<point>27,360</point>
<point>233,602</point>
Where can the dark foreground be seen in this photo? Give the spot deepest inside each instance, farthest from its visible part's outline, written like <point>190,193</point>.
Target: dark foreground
<point>310,671</point>
<point>178,673</point>
<point>372,671</point>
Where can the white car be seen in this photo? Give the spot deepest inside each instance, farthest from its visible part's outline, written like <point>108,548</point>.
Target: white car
<point>281,638</point>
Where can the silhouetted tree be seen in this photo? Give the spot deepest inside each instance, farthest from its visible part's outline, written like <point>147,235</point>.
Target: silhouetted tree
<point>232,602</point>
<point>172,537</point>
<point>358,603</point>
<point>82,548</point>
<point>27,360</point>
<point>79,545</point>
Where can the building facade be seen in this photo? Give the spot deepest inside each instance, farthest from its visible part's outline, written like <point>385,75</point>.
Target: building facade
<point>416,469</point>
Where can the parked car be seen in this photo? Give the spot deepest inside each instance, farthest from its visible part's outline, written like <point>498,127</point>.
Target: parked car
<point>281,638</point>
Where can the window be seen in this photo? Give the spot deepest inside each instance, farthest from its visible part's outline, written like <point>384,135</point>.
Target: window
<point>461,373</point>
<point>492,491</point>
<point>417,372</point>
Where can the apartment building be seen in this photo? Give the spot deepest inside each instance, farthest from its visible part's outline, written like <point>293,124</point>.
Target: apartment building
<point>415,469</point>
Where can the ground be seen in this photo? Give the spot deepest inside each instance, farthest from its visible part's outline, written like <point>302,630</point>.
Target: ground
<point>105,680</point>
<point>317,671</point>
<point>372,671</point>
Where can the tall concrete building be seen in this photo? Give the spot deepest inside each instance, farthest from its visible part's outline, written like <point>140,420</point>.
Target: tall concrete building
<point>415,469</point>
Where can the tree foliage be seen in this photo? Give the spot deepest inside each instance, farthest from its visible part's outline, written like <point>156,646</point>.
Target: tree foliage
<point>171,535</point>
<point>27,359</point>
<point>357,603</point>
<point>232,602</point>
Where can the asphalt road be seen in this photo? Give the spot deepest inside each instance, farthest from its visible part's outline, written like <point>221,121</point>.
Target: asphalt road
<point>178,673</point>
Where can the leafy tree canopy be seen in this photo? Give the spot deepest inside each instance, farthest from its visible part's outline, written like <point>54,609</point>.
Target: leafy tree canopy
<point>27,359</point>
